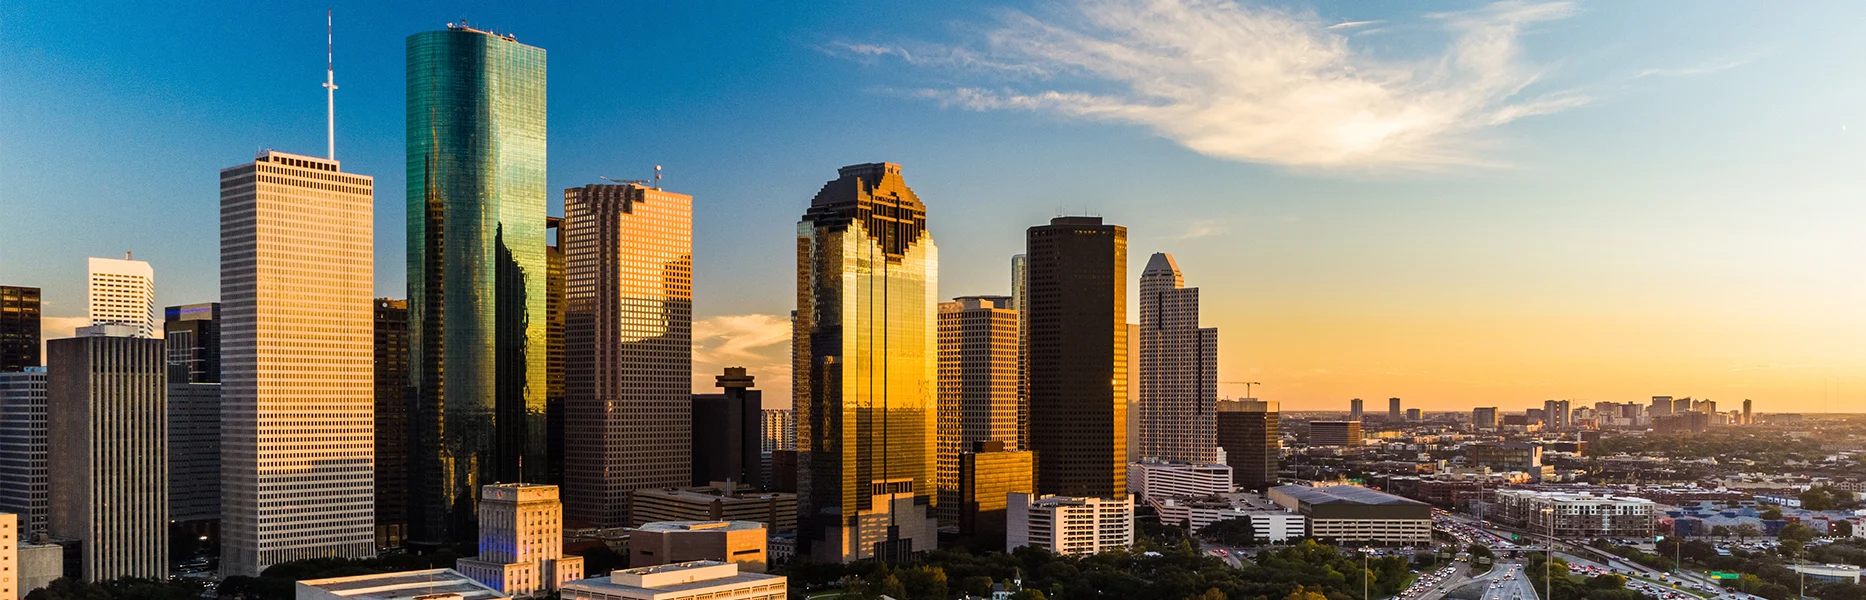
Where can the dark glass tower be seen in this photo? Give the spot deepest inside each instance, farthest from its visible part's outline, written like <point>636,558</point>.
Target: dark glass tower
<point>392,427</point>
<point>1247,430</point>
<point>866,369</point>
<point>19,328</point>
<point>1077,320</point>
<point>193,335</point>
<point>728,430</point>
<point>476,272</point>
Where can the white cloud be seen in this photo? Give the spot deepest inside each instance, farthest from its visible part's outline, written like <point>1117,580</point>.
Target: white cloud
<point>1201,228</point>
<point>1700,69</point>
<point>760,343</point>
<point>1257,84</point>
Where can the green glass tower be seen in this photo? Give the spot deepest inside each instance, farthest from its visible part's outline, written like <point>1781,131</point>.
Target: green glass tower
<point>476,273</point>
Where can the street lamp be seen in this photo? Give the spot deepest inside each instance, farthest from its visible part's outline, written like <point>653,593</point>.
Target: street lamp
<point>1365,574</point>
<point>1548,561</point>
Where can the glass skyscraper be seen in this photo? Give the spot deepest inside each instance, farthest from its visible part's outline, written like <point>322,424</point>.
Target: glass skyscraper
<point>865,385</point>
<point>476,272</point>
<point>1076,314</point>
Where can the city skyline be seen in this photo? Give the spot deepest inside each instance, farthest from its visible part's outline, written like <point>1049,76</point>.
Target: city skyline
<point>1655,275</point>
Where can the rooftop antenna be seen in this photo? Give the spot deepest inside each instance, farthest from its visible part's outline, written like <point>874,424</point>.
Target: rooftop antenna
<point>330,90</point>
<point>657,177</point>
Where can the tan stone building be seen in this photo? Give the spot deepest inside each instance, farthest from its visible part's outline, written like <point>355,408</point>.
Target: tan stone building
<point>667,542</point>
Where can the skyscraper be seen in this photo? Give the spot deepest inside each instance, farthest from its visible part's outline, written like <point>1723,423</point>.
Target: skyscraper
<point>1019,279</point>
<point>728,432</point>
<point>19,328</point>
<point>554,352</point>
<point>628,354</point>
<point>297,382</point>
<point>107,427</point>
<point>1248,431</point>
<point>23,478</point>
<point>193,335</point>
<point>392,426</point>
<point>865,384</point>
<point>123,292</point>
<point>1178,370</point>
<point>1354,409</point>
<point>1749,418</point>
<point>1661,406</point>
<point>193,453</point>
<point>1394,414</point>
<point>978,379</point>
<point>476,272</point>
<point>1078,356</point>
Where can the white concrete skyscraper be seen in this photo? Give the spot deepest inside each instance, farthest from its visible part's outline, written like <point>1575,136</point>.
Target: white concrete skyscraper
<point>297,347</point>
<point>1178,368</point>
<point>123,292</point>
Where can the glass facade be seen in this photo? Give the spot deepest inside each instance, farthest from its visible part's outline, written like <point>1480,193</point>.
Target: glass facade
<point>865,389</point>
<point>19,328</point>
<point>476,272</point>
<point>1077,336</point>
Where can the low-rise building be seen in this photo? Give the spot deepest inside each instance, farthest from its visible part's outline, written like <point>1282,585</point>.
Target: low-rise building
<point>1335,433</point>
<point>988,475</point>
<point>1576,515</point>
<point>430,584</point>
<point>1829,573</point>
<point>1153,480</point>
<point>1270,525</point>
<point>521,541</point>
<point>667,542</point>
<point>1354,514</point>
<point>777,510</point>
<point>711,580</point>
<point>1068,525</point>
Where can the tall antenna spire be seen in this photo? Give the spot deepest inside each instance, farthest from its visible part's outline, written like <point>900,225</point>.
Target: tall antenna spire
<point>330,90</point>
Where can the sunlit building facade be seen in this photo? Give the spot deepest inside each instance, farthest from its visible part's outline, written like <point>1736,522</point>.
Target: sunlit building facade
<point>977,385</point>
<point>476,272</point>
<point>297,265</point>
<point>19,328</point>
<point>1178,370</point>
<point>122,291</point>
<point>628,355</point>
<point>865,384</point>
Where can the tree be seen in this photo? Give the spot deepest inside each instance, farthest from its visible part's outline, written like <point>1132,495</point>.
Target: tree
<point>1721,532</point>
<point>1029,594</point>
<point>1302,593</point>
<point>1744,531</point>
<point>1773,513</point>
<point>1843,529</point>
<point>976,585</point>
<point>1818,498</point>
<point>1231,532</point>
<point>1481,551</point>
<point>1212,594</point>
<point>1798,532</point>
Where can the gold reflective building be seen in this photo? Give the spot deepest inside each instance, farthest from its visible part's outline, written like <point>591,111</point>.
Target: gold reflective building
<point>866,369</point>
<point>978,383</point>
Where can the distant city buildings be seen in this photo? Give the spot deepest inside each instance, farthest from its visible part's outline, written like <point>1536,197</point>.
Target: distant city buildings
<point>1556,414</point>
<point>1335,433</point>
<point>477,295</point>
<point>107,430</point>
<point>628,355</point>
<point>978,383</point>
<point>1484,417</point>
<point>297,269</point>
<point>123,292</point>
<point>1078,354</point>
<point>1153,480</point>
<point>1178,370</point>
<point>1393,410</point>
<point>1248,431</point>
<point>521,541</point>
<point>777,510</point>
<point>1355,409</point>
<point>865,380</point>
<point>1069,525</point>
<point>19,328</point>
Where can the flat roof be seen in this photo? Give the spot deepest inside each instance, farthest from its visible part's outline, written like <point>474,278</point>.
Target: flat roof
<point>405,585</point>
<point>701,526</point>
<point>1342,494</point>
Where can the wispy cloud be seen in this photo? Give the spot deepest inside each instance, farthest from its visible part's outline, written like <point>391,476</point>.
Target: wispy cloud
<point>760,343</point>
<point>1253,83</point>
<point>1201,228</point>
<point>1699,69</point>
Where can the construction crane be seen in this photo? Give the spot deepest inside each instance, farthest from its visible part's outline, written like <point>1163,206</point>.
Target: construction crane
<point>1247,385</point>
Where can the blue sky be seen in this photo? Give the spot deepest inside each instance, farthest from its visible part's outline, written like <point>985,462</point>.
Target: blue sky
<point>1503,202</point>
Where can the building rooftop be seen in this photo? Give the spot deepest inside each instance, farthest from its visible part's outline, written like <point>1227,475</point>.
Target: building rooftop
<point>675,577</point>
<point>701,526</point>
<point>406,585</point>
<point>1342,494</point>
